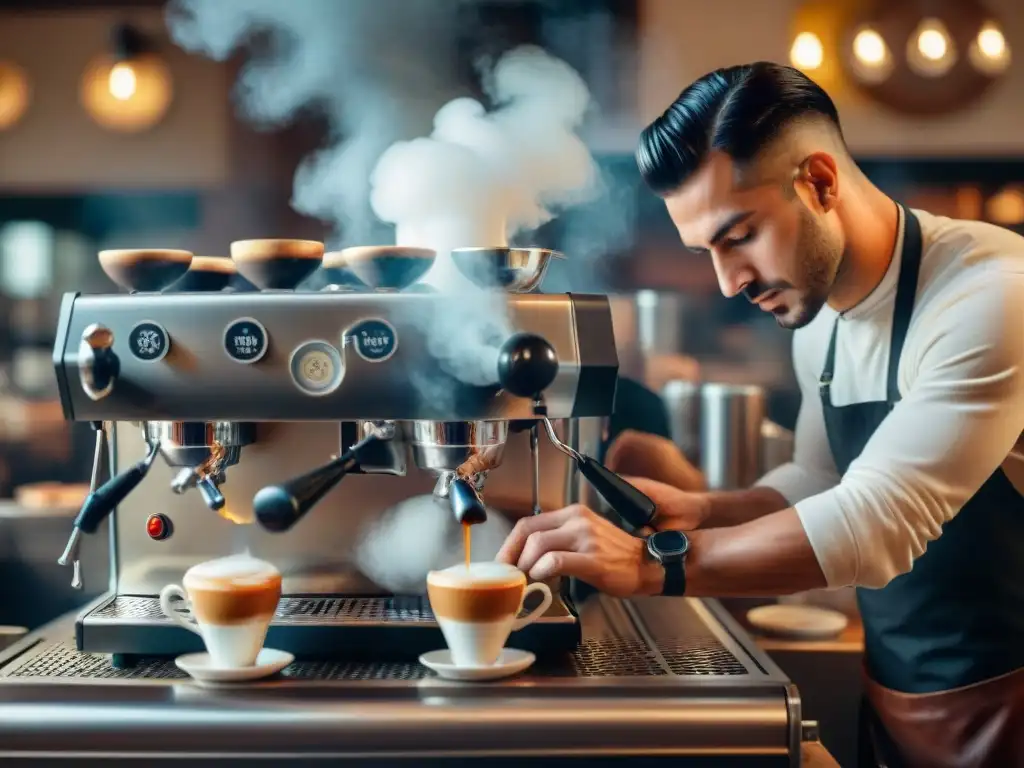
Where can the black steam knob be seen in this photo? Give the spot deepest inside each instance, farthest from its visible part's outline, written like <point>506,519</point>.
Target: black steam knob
<point>527,364</point>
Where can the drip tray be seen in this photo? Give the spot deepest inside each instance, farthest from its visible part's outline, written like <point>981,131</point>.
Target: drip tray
<point>375,628</point>
<point>684,641</point>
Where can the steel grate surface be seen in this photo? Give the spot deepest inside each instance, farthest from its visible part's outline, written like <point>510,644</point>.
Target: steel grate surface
<point>681,645</point>
<point>292,610</point>
<point>606,657</point>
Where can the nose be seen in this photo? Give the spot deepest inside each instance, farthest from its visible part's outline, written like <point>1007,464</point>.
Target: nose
<point>733,274</point>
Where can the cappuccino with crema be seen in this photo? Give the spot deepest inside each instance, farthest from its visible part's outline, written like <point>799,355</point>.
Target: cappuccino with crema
<point>477,605</point>
<point>232,600</point>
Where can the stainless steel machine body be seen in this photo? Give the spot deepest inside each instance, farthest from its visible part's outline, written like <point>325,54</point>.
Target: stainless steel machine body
<point>195,386</point>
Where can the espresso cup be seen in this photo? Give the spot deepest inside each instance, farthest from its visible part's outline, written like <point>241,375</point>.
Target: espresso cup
<point>232,601</point>
<point>477,608</point>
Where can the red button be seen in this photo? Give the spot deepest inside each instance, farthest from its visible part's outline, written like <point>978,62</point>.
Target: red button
<point>158,527</point>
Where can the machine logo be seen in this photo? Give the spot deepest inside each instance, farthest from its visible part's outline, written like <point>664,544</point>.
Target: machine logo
<point>375,340</point>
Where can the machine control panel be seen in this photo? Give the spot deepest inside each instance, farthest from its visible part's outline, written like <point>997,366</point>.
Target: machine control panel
<point>149,341</point>
<point>317,356</point>
<point>245,340</point>
<point>317,368</point>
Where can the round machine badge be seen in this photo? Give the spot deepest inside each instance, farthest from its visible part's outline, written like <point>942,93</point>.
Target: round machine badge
<point>245,340</point>
<point>375,340</point>
<point>148,341</point>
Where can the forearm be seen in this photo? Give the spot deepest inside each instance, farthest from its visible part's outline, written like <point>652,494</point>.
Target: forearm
<point>769,556</point>
<point>725,509</point>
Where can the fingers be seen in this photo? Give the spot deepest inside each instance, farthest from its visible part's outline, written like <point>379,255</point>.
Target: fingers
<point>553,564</point>
<point>512,549</point>
<point>658,492</point>
<point>565,538</point>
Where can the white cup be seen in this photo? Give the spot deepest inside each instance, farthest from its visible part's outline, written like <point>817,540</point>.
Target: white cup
<point>477,608</point>
<point>232,601</point>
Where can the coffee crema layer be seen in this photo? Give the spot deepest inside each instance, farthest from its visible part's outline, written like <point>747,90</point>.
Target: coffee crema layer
<point>270,249</point>
<point>233,590</point>
<point>221,264</point>
<point>129,257</point>
<point>481,592</point>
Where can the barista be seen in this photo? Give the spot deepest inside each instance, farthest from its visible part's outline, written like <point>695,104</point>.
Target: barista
<point>908,471</point>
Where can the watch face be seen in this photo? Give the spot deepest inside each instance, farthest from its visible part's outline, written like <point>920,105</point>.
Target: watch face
<point>670,543</point>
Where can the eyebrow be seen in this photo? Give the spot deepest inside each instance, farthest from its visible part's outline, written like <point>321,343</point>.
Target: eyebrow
<point>723,229</point>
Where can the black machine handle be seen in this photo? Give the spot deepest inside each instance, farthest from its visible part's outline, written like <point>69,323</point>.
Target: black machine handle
<point>279,507</point>
<point>629,503</point>
<point>527,365</point>
<point>466,503</point>
<point>101,502</point>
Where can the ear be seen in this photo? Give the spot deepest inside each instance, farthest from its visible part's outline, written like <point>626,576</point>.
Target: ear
<point>820,172</point>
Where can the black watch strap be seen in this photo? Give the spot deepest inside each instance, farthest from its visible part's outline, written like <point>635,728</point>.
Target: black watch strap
<point>675,577</point>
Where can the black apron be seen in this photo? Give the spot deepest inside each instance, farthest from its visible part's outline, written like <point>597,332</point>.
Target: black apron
<point>957,618</point>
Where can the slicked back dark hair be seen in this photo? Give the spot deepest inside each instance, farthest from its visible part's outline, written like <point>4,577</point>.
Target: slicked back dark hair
<point>737,110</point>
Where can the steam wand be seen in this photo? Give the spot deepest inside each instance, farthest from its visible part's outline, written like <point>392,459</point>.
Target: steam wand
<point>103,500</point>
<point>527,365</point>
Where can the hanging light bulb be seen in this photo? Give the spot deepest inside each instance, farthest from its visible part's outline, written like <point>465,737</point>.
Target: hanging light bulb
<point>871,60</point>
<point>989,52</point>
<point>122,81</point>
<point>930,50</point>
<point>129,88</point>
<point>807,52</point>
<point>14,94</point>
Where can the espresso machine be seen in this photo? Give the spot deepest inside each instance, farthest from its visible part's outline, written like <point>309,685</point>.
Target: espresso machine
<point>279,421</point>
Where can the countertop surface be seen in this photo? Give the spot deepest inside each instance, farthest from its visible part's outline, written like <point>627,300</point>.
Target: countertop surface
<point>850,640</point>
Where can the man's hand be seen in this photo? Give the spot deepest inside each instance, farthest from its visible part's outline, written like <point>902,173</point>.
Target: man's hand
<point>576,541</point>
<point>676,510</point>
<point>654,457</point>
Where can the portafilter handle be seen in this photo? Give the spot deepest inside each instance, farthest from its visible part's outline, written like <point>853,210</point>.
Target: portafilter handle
<point>527,365</point>
<point>279,507</point>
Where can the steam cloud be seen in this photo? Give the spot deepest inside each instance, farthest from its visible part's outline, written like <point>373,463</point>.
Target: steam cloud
<point>474,177</point>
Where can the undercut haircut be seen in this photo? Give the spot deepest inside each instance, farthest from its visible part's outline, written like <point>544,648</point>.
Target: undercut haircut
<point>736,110</point>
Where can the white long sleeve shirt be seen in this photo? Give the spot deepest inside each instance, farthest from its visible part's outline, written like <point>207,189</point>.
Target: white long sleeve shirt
<point>961,413</point>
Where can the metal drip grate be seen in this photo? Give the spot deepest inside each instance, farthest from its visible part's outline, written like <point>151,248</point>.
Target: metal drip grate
<point>680,644</point>
<point>699,656</point>
<point>291,610</point>
<point>612,657</point>
<point>608,657</point>
<point>63,660</point>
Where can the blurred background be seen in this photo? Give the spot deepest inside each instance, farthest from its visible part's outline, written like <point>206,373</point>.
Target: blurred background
<point>114,133</point>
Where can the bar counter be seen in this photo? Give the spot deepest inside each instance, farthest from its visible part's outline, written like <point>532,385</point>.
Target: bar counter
<point>667,680</point>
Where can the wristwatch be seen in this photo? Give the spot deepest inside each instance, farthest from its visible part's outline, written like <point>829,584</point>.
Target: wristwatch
<point>669,548</point>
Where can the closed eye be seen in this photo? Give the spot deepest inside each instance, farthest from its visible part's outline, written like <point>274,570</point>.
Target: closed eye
<point>734,242</point>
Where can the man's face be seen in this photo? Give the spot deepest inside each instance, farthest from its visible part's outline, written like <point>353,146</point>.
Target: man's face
<point>771,241</point>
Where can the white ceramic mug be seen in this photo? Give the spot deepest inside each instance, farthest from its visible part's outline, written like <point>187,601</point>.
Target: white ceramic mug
<point>477,608</point>
<point>232,601</point>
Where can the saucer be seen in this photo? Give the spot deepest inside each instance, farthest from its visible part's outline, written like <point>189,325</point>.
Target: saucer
<point>199,667</point>
<point>803,622</point>
<point>510,662</point>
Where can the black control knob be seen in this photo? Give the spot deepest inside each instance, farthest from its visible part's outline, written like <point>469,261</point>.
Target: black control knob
<point>527,364</point>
